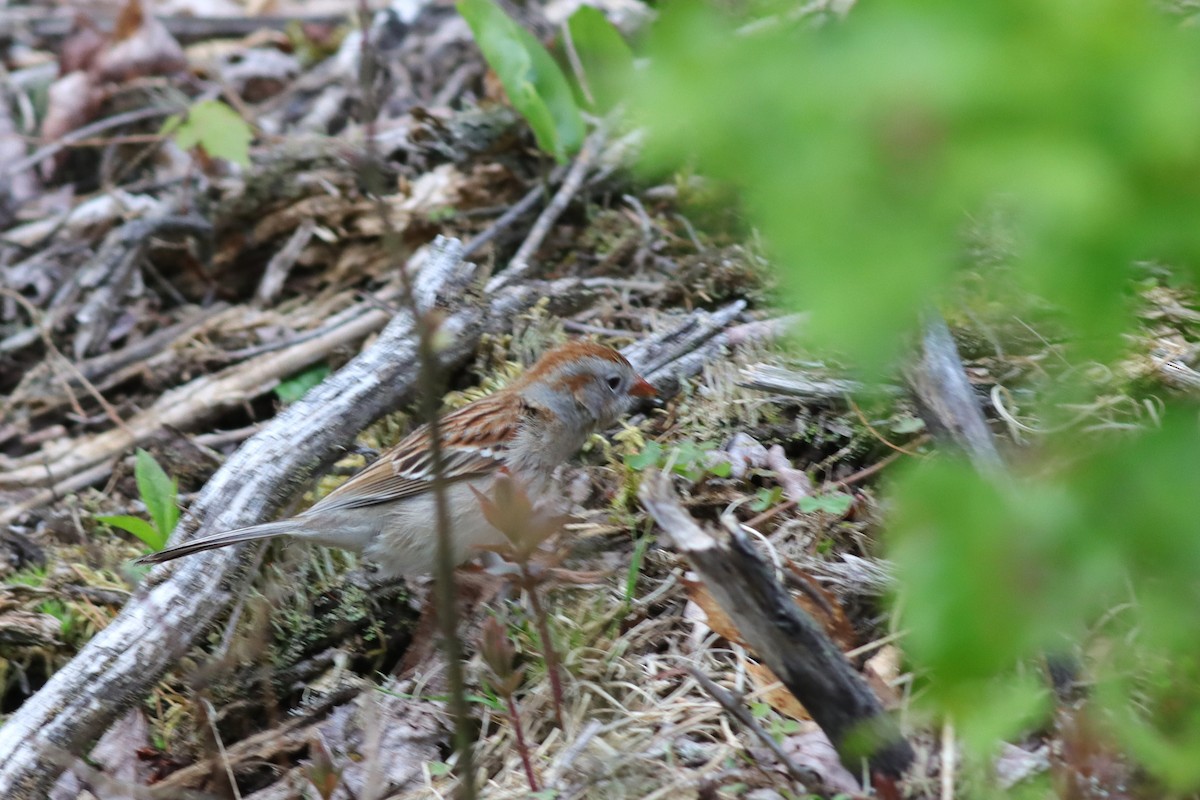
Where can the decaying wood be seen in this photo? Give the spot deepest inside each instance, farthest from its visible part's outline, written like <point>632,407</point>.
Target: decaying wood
<point>784,637</point>
<point>795,383</point>
<point>945,398</point>
<point>120,663</point>
<point>108,275</point>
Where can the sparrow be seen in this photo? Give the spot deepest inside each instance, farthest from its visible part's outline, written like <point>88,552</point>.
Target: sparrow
<point>526,431</point>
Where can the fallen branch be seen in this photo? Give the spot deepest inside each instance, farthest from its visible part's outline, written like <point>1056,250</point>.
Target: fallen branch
<point>119,665</point>
<point>784,637</point>
<point>946,400</point>
<point>520,266</point>
<point>739,712</point>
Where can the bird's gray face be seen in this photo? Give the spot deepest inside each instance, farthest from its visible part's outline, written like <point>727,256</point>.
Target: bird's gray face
<point>591,393</point>
<point>606,390</point>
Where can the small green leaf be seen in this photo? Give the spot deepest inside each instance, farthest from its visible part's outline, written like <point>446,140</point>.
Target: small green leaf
<point>606,58</point>
<point>438,768</point>
<point>214,126</point>
<point>158,492</point>
<point>138,527</point>
<point>766,498</point>
<point>908,425</point>
<point>292,389</point>
<point>536,86</point>
<point>649,457</point>
<point>720,469</point>
<point>834,504</point>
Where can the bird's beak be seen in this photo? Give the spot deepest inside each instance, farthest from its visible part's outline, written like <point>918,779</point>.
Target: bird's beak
<point>643,389</point>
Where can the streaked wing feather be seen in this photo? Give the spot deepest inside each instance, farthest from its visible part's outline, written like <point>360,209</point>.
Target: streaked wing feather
<point>473,446</point>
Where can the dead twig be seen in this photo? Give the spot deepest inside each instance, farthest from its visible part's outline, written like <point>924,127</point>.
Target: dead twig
<point>280,265</point>
<point>742,715</point>
<point>519,267</point>
<point>86,132</point>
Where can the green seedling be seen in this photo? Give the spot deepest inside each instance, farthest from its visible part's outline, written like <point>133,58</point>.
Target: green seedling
<point>159,493</point>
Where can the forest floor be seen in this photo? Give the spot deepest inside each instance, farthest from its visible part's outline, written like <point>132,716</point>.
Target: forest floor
<point>136,275</point>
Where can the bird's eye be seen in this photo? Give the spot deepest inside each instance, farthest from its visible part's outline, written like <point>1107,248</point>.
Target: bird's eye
<point>614,382</point>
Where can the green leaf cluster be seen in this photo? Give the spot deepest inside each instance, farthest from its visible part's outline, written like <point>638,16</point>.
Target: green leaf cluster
<point>692,460</point>
<point>995,573</point>
<point>159,493</point>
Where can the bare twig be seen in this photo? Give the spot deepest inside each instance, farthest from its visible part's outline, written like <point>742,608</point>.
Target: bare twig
<point>519,267</point>
<point>282,262</point>
<point>211,714</point>
<point>509,217</point>
<point>739,712</point>
<point>87,131</point>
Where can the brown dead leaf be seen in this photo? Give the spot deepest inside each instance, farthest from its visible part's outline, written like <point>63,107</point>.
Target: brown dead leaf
<point>718,620</point>
<point>71,102</point>
<point>775,693</point>
<point>778,697</point>
<point>817,602</point>
<point>140,45</point>
<point>880,671</point>
<point>823,606</point>
<point>81,46</point>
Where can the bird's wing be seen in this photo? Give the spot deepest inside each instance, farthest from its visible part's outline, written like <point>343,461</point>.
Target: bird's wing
<point>474,439</point>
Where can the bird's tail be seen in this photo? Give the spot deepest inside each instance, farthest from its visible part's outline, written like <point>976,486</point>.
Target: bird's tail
<point>267,530</point>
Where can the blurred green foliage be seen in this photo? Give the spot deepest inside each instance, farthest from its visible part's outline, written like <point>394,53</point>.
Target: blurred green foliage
<point>536,86</point>
<point>862,148</point>
<point>861,145</point>
<point>604,57</point>
<point>1106,554</point>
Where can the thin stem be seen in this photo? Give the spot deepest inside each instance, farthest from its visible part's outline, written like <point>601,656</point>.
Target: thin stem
<point>522,748</point>
<point>548,651</point>
<point>445,590</point>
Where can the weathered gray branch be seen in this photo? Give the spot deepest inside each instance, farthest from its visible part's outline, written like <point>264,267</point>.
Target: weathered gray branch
<point>153,631</point>
<point>945,398</point>
<point>784,637</point>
